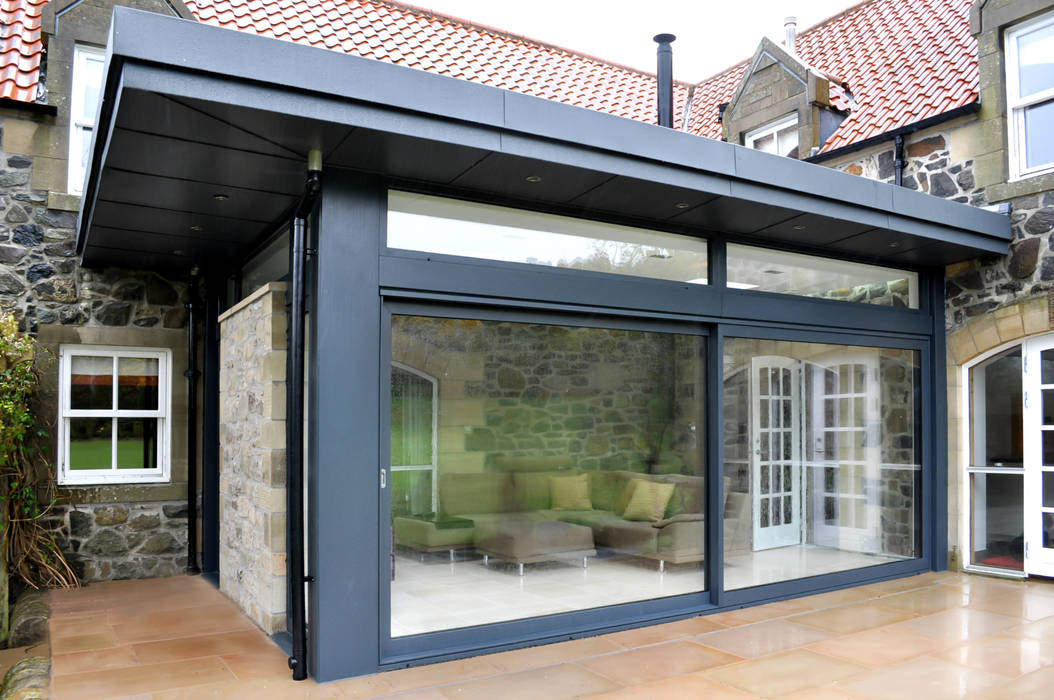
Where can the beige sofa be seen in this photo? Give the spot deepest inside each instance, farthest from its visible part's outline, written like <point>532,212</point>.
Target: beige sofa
<point>513,518</point>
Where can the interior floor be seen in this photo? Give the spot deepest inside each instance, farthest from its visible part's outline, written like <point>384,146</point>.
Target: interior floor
<point>433,592</point>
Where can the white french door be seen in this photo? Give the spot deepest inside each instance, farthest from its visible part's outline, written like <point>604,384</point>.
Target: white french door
<point>776,455</point>
<point>845,452</point>
<point>1039,456</point>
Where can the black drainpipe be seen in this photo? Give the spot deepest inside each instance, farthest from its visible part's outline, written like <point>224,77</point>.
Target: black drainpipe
<point>664,75</point>
<point>295,415</point>
<point>898,160</point>
<point>192,375</point>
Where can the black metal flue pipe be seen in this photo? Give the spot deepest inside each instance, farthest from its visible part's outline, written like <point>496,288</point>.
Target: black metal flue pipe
<point>295,417</point>
<point>664,74</point>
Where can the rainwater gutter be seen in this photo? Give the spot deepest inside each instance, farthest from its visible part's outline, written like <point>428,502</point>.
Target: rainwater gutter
<point>297,576</point>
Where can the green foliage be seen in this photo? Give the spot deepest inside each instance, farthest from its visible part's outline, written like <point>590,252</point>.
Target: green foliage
<point>29,549</point>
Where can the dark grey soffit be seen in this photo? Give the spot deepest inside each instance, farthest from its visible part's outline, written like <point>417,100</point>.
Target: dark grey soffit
<point>190,111</point>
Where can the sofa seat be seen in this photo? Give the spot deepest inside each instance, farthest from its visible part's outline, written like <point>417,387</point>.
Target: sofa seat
<point>525,540</point>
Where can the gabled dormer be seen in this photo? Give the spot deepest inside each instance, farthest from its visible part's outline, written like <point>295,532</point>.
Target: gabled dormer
<point>782,105</point>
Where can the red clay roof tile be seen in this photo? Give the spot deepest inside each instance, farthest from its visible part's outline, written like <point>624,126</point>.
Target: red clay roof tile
<point>21,48</point>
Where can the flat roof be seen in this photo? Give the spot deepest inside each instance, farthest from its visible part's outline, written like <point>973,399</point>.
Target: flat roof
<point>191,111</point>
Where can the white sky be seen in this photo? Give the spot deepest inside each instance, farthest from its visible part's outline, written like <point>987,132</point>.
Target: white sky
<point>711,34</point>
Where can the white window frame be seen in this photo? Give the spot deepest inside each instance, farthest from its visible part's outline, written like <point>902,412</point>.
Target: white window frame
<point>770,129</point>
<point>113,475</point>
<point>1017,104</point>
<point>80,128</point>
<point>966,468</point>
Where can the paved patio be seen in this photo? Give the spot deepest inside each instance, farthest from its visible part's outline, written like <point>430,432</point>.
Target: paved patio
<point>930,636</point>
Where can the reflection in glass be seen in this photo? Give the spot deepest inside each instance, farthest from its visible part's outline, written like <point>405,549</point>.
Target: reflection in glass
<point>454,227</point>
<point>996,420</point>
<point>136,443</point>
<point>808,275</point>
<point>1048,489</point>
<point>91,382</point>
<point>1048,530</point>
<point>91,443</point>
<point>137,383</point>
<point>996,520</point>
<point>837,487</point>
<point>1039,124</point>
<point>569,469</point>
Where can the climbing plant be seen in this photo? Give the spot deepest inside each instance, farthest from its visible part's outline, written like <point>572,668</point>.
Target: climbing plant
<point>27,487</point>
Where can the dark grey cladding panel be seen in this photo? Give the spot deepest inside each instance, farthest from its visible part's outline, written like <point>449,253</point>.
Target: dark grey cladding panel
<point>294,134</point>
<point>931,254</point>
<point>585,127</point>
<point>614,163</point>
<point>403,157</point>
<point>790,199</point>
<point>192,196</point>
<point>508,176</point>
<point>812,230</point>
<point>876,243</point>
<point>808,178</point>
<point>732,215</point>
<point>97,256</point>
<point>174,223</point>
<point>152,113</point>
<point>174,158</point>
<point>187,247</point>
<point>641,198</point>
<point>925,207</point>
<point>229,53</point>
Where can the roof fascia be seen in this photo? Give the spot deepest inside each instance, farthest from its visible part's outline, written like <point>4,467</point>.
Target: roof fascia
<point>215,64</point>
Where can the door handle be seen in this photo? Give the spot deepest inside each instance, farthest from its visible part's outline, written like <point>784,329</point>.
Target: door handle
<point>384,478</point>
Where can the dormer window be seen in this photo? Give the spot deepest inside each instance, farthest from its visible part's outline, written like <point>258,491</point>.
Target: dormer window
<point>1030,96</point>
<point>779,137</point>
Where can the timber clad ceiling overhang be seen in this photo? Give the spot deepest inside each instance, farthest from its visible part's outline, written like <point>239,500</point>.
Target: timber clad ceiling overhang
<point>190,111</point>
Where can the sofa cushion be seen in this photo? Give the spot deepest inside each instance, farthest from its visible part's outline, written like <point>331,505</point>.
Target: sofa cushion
<point>570,492</point>
<point>648,500</point>
<point>475,492</point>
<point>531,490</point>
<point>605,487</point>
<point>688,496</point>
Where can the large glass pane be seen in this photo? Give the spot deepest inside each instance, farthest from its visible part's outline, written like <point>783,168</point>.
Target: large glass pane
<point>91,382</point>
<point>841,491</point>
<point>1035,67</point>
<point>136,443</point>
<point>1039,125</point>
<point>454,227</point>
<point>91,443</point>
<point>811,276</point>
<point>996,520</point>
<point>569,468</point>
<point>137,383</point>
<point>996,402</point>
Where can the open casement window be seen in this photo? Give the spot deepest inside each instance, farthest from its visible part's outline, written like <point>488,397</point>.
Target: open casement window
<point>779,137</point>
<point>88,62</point>
<point>1030,96</point>
<point>414,427</point>
<point>114,406</point>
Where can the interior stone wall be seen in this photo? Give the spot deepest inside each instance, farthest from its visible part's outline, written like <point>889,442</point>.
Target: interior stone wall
<point>252,456</point>
<point>605,399</point>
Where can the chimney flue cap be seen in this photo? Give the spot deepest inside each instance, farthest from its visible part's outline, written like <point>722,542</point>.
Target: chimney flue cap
<point>664,38</point>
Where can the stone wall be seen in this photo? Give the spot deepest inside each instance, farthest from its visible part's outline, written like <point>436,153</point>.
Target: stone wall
<point>252,456</point>
<point>41,282</point>
<point>605,399</point>
<point>940,162</point>
<point>119,541</point>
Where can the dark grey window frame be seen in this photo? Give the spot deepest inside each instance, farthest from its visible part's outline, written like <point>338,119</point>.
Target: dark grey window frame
<point>449,286</point>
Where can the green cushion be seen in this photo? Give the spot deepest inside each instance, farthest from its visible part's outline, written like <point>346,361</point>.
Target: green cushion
<point>532,489</point>
<point>570,492</point>
<point>648,501</point>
